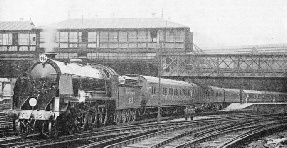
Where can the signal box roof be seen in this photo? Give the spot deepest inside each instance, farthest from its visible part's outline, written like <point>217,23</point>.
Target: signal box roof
<point>16,25</point>
<point>115,23</point>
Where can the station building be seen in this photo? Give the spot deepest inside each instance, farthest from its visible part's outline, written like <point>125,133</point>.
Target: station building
<point>19,40</point>
<point>128,45</point>
<point>116,39</point>
<point>19,46</point>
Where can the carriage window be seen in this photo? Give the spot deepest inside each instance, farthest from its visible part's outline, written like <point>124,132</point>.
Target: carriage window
<point>164,91</point>
<point>207,93</point>
<point>176,92</point>
<point>189,92</point>
<point>170,91</point>
<point>153,90</point>
<point>185,92</point>
<point>181,92</point>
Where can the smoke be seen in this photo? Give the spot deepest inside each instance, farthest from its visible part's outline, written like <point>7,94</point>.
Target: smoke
<point>49,38</point>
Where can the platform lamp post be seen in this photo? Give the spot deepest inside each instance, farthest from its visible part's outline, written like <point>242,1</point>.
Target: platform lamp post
<point>159,76</point>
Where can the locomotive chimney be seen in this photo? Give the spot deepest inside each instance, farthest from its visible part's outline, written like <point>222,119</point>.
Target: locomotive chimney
<point>51,55</point>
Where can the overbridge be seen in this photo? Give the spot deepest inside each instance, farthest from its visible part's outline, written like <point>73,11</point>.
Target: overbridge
<point>261,68</point>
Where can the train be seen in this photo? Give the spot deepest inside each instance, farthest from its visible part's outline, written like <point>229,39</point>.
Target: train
<point>55,97</point>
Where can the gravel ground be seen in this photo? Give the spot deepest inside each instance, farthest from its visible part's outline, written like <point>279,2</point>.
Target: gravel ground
<point>276,140</point>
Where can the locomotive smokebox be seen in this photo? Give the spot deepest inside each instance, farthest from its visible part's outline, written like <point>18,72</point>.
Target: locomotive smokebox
<point>51,55</point>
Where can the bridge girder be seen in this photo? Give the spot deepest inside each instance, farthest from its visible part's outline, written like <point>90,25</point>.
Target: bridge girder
<point>225,65</point>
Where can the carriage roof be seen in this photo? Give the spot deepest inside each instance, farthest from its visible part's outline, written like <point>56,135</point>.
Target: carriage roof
<point>263,92</point>
<point>151,79</point>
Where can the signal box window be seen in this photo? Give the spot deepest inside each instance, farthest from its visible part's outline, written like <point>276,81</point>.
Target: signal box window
<point>24,39</point>
<point>142,36</point>
<point>6,39</point>
<point>15,39</point>
<point>179,36</point>
<point>73,37</point>
<point>104,36</point>
<point>113,36</point>
<point>132,36</point>
<point>92,39</point>
<point>1,39</point>
<point>64,36</point>
<point>84,36</point>
<point>123,36</point>
<point>32,39</point>
<point>153,36</point>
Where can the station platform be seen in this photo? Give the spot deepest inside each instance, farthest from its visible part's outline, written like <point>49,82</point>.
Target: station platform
<point>258,107</point>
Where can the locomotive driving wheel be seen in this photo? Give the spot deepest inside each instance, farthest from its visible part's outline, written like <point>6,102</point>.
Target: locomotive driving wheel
<point>85,121</point>
<point>19,127</point>
<point>117,117</point>
<point>90,121</point>
<point>128,115</point>
<point>124,116</point>
<point>81,122</point>
<point>103,116</point>
<point>49,129</point>
<point>70,121</point>
<point>94,119</point>
<point>133,115</point>
<point>22,128</point>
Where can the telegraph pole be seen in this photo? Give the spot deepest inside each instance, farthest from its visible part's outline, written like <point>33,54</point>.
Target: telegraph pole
<point>159,78</point>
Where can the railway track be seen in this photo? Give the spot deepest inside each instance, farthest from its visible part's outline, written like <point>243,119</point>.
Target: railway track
<point>119,136</point>
<point>97,138</point>
<point>240,138</point>
<point>165,134</point>
<point>102,136</point>
<point>193,137</point>
<point>227,134</point>
<point>180,135</point>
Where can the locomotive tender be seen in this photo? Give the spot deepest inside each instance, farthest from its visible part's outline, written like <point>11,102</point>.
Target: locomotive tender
<point>55,97</point>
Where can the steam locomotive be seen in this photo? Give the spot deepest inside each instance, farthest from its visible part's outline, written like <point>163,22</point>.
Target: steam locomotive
<point>55,97</point>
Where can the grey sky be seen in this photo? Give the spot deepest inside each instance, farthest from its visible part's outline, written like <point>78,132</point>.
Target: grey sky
<point>214,22</point>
